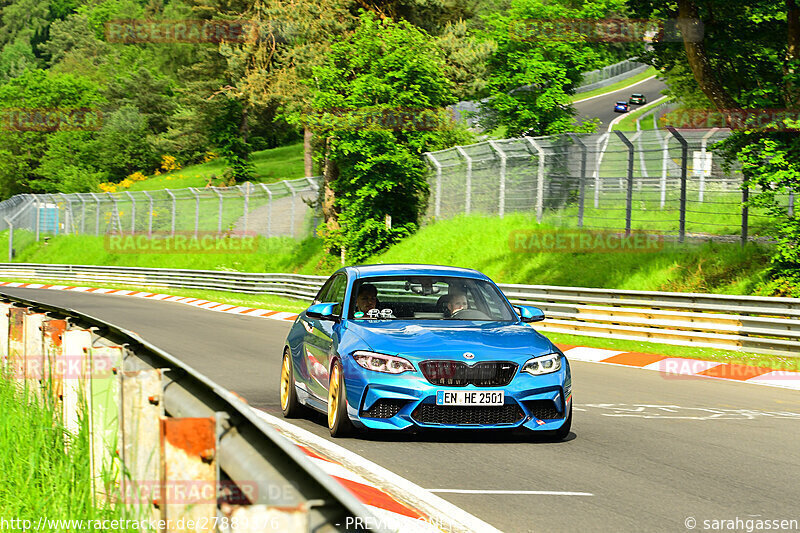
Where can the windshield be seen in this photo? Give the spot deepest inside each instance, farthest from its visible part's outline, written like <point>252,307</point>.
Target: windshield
<point>428,298</point>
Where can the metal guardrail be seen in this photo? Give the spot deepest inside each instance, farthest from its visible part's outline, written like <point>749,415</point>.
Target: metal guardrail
<point>749,323</point>
<point>284,488</point>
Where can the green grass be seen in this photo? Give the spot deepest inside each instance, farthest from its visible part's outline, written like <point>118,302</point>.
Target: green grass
<point>275,164</point>
<point>616,86</point>
<point>39,478</point>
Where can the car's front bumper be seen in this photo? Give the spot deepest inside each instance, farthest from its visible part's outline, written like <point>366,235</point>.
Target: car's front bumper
<point>538,403</point>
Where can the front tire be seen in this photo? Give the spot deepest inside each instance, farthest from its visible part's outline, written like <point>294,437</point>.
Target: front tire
<point>290,405</point>
<point>339,422</point>
<point>563,432</point>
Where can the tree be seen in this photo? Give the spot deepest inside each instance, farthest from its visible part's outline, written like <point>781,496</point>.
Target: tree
<point>377,102</point>
<point>745,60</point>
<point>532,75</point>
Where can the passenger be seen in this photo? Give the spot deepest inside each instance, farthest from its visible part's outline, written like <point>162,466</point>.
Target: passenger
<point>367,298</point>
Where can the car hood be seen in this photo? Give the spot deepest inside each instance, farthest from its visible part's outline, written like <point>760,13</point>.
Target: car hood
<point>432,339</point>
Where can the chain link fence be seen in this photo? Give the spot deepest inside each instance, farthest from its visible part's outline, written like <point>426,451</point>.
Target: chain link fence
<point>270,210</point>
<point>659,181</point>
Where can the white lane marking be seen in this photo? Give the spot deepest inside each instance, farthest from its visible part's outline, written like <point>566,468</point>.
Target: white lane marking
<point>778,378</point>
<point>614,91</point>
<point>512,492</point>
<point>687,413</point>
<point>437,509</point>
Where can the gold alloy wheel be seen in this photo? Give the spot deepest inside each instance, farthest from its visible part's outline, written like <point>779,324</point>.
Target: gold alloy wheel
<point>333,397</point>
<point>285,373</point>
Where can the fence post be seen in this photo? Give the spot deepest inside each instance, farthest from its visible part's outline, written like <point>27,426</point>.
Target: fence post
<point>196,210</point>
<point>581,178</point>
<point>539,179</point>
<point>629,197</point>
<point>133,213</point>
<point>468,186</point>
<point>83,214</point>
<point>10,238</point>
<point>664,163</point>
<point>149,214</point>
<point>67,213</point>
<point>745,212</point>
<point>600,153</point>
<point>269,209</point>
<point>115,211</point>
<point>247,202</point>
<point>169,192</point>
<point>294,194</point>
<point>790,210</point>
<point>219,210</point>
<point>38,216</point>
<point>684,165</point>
<point>501,208</point>
<point>437,210</point>
<point>96,214</point>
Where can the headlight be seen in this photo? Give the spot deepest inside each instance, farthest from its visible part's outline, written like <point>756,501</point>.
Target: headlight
<point>544,364</point>
<point>383,363</point>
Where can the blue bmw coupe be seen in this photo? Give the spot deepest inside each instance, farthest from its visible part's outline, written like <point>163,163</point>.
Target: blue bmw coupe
<point>392,347</point>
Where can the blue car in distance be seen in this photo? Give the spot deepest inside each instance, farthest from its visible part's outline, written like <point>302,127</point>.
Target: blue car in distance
<point>394,347</point>
<point>621,107</point>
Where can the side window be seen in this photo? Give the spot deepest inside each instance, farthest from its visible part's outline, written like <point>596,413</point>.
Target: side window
<point>336,293</point>
<point>322,295</point>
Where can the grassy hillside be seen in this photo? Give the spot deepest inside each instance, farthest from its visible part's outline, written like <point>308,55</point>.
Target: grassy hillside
<point>469,241</point>
<point>275,164</point>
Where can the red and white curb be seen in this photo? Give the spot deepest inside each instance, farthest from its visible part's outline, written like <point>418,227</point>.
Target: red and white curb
<point>195,302</point>
<point>678,366</point>
<point>396,502</point>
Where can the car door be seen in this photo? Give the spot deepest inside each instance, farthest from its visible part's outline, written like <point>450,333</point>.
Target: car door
<point>318,343</point>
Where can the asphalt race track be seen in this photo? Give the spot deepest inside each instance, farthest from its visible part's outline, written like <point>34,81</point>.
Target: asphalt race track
<point>652,452</point>
<point>602,107</point>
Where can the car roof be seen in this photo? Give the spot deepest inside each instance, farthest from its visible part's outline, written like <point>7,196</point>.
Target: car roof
<point>637,94</point>
<point>396,269</point>
<point>621,102</point>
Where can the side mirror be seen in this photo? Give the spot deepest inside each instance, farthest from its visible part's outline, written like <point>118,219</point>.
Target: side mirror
<point>324,311</point>
<point>529,313</point>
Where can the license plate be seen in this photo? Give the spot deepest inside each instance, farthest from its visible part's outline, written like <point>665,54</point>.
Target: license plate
<point>464,397</point>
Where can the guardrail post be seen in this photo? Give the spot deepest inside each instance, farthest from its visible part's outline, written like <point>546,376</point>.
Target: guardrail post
<point>745,212</point>
<point>269,209</point>
<point>581,178</point>
<point>468,186</point>
<point>501,201</point>
<point>104,426</point>
<point>4,310</point>
<point>174,207</point>
<point>188,471</point>
<point>149,214</point>
<point>133,213</point>
<point>437,205</point>
<point>629,197</point>
<point>539,179</point>
<point>291,190</point>
<point>196,210</point>
<point>33,358</point>
<point>141,412</point>
<point>76,345</point>
<point>52,347</point>
<point>684,166</point>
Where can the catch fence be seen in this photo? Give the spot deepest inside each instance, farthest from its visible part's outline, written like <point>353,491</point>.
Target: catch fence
<point>662,181</point>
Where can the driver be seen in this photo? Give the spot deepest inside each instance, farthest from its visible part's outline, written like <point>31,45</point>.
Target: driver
<point>455,303</point>
<point>367,298</point>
